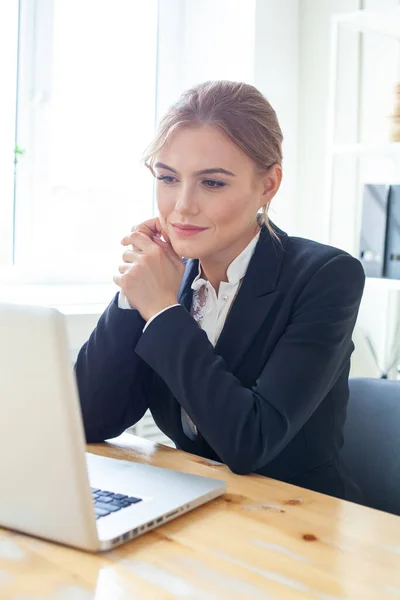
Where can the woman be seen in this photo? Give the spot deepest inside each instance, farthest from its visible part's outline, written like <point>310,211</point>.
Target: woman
<point>242,350</point>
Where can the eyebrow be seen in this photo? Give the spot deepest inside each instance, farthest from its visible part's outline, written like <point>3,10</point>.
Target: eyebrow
<point>161,165</point>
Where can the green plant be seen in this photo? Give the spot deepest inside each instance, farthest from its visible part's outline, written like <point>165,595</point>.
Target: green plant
<point>17,153</point>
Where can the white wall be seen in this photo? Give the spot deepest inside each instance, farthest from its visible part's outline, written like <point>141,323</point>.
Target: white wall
<point>218,40</point>
<point>277,77</point>
<point>199,42</point>
<point>314,53</point>
<point>255,41</point>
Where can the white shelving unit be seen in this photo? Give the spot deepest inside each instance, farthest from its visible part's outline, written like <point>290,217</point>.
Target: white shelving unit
<point>392,150</point>
<point>385,22</point>
<point>382,22</point>
<point>349,165</point>
<point>389,285</point>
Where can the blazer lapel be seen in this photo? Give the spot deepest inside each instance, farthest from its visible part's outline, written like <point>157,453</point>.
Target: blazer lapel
<point>255,299</point>
<point>185,293</point>
<point>253,302</point>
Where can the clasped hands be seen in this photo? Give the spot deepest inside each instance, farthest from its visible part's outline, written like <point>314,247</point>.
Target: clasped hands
<point>151,273</point>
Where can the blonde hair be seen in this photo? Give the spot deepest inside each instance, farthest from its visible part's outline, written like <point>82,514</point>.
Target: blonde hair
<point>237,109</point>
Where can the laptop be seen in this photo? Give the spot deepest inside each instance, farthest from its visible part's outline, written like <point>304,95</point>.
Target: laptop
<point>51,487</point>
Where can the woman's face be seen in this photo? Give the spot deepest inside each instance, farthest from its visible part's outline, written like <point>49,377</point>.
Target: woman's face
<point>205,181</point>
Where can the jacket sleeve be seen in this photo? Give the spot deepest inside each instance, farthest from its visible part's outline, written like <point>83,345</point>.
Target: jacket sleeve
<point>259,422</point>
<point>113,381</point>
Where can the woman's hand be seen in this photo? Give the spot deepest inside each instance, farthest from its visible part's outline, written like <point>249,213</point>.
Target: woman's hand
<point>151,273</point>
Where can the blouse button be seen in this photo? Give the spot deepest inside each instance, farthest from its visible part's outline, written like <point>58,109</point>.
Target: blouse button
<point>225,297</point>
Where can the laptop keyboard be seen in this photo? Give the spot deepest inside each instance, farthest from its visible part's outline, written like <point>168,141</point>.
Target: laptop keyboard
<point>106,503</point>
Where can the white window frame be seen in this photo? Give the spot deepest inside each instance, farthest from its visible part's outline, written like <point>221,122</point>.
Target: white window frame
<point>8,74</point>
<point>178,48</point>
<point>34,91</point>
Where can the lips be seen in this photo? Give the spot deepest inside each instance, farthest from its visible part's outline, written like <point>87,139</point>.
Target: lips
<point>187,230</point>
<point>188,227</point>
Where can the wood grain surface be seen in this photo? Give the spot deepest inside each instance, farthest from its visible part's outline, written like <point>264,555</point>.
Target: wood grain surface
<point>264,539</point>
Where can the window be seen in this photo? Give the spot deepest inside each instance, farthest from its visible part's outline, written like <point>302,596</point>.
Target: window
<point>92,77</point>
<point>85,114</point>
<point>8,78</point>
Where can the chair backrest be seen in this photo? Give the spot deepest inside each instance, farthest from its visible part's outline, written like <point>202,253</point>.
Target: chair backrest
<point>371,450</point>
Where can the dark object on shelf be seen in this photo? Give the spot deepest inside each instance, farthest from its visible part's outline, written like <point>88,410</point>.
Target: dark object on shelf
<point>392,255</point>
<point>373,229</point>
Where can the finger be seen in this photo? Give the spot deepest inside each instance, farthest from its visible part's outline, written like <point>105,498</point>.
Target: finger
<point>141,242</point>
<point>130,256</point>
<point>137,240</point>
<point>168,249</point>
<point>151,227</point>
<point>123,268</point>
<point>127,240</point>
<point>118,280</point>
<point>165,236</point>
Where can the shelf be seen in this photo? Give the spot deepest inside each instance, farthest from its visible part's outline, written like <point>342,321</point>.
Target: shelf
<point>391,149</point>
<point>383,283</point>
<point>385,22</point>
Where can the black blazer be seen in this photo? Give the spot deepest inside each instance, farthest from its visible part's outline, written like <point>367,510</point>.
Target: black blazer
<point>271,396</point>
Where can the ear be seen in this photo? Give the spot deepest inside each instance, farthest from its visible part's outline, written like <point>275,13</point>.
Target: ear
<point>271,182</point>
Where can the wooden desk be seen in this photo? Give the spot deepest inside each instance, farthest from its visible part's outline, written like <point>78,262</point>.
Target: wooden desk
<point>264,540</point>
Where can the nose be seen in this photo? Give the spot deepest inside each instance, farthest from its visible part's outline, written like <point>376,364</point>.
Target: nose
<point>186,202</point>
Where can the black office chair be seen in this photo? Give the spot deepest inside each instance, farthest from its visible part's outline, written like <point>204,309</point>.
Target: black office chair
<point>371,450</point>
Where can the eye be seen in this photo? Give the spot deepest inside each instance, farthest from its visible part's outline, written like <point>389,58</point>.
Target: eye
<point>167,179</point>
<point>213,184</point>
